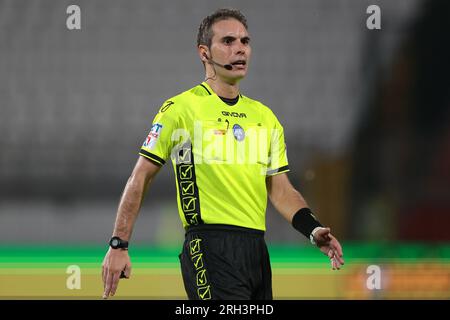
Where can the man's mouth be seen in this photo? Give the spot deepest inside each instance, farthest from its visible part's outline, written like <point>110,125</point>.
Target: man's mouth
<point>239,63</point>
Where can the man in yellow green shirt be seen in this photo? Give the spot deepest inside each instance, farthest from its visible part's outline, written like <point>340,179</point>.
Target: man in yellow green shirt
<point>229,154</point>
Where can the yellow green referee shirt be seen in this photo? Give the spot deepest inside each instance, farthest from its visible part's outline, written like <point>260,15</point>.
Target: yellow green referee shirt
<point>221,156</point>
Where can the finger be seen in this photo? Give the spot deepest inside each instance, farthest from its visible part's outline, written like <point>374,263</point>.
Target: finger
<point>337,264</point>
<point>108,285</point>
<point>330,253</point>
<point>115,283</point>
<point>336,246</point>
<point>341,260</point>
<point>127,271</point>
<point>338,259</point>
<point>338,254</point>
<point>333,266</point>
<point>104,272</point>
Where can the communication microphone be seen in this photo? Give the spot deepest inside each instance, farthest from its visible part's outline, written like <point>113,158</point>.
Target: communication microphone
<point>225,66</point>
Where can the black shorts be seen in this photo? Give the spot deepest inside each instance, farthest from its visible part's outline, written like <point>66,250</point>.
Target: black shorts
<point>225,262</point>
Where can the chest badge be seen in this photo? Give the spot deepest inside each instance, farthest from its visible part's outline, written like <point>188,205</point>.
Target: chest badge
<point>238,132</point>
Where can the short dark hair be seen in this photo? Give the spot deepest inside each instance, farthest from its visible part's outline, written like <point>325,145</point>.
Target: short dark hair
<point>204,35</point>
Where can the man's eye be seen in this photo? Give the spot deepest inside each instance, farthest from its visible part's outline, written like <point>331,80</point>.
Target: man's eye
<point>245,41</point>
<point>228,41</point>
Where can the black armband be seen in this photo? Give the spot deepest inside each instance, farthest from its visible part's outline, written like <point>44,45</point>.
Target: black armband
<point>305,222</point>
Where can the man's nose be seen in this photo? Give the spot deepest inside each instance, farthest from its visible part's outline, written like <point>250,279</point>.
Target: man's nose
<point>241,50</point>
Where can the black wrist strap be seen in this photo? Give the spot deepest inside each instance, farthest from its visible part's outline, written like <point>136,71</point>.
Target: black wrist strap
<point>305,222</point>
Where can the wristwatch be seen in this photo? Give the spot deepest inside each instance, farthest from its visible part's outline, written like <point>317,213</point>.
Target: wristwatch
<point>117,243</point>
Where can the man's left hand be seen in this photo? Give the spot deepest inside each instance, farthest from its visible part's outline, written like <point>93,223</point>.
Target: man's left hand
<point>330,246</point>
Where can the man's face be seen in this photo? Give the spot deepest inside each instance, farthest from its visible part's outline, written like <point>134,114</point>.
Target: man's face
<point>231,45</point>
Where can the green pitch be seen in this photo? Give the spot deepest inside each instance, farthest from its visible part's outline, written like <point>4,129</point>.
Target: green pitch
<point>299,272</point>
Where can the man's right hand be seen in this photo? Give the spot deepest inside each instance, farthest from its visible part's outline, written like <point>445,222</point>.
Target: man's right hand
<point>116,261</point>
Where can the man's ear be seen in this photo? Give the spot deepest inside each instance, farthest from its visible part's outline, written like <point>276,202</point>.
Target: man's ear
<point>203,53</point>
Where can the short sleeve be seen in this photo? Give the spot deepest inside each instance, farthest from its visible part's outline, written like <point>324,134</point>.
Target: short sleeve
<point>158,144</point>
<point>278,161</point>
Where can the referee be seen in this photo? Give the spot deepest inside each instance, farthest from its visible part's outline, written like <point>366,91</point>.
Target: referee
<point>229,155</point>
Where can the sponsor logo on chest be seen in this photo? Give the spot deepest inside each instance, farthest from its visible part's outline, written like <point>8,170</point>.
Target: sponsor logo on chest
<point>234,114</point>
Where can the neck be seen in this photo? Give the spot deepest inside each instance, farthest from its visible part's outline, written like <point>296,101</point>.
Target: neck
<point>224,89</point>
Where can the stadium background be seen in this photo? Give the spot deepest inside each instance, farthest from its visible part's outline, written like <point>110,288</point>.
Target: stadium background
<point>366,117</point>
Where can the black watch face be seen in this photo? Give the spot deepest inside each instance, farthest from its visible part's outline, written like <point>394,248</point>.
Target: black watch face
<point>115,243</point>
